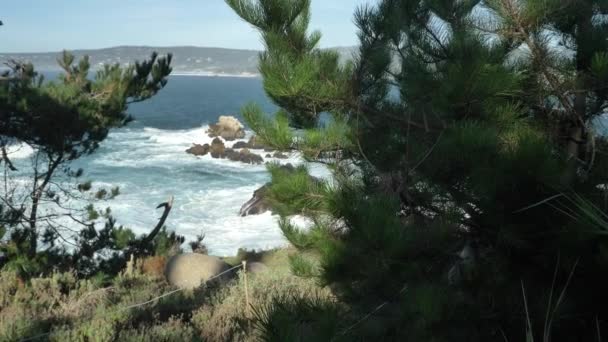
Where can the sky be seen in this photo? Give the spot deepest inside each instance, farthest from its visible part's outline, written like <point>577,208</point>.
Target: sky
<point>54,25</point>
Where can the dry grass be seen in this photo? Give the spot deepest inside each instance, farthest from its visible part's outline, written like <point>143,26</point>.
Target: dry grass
<point>154,266</point>
<point>226,317</point>
<point>69,309</point>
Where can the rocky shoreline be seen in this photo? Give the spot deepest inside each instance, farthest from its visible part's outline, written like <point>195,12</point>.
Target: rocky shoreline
<point>228,129</point>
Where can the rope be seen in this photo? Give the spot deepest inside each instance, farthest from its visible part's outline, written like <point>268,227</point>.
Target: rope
<point>146,302</point>
<point>178,290</point>
<point>370,314</point>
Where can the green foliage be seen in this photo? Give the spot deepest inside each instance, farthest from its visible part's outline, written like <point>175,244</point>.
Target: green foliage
<point>62,121</point>
<point>294,191</point>
<point>299,77</point>
<point>123,237</point>
<point>294,317</point>
<point>165,243</point>
<point>275,133</point>
<point>301,266</point>
<point>64,308</point>
<point>319,142</point>
<point>458,138</point>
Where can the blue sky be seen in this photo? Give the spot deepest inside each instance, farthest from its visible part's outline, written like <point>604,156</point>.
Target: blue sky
<point>53,25</point>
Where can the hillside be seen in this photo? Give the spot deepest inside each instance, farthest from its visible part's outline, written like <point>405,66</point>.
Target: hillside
<point>186,59</point>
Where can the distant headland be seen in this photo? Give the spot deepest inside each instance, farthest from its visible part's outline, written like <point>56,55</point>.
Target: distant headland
<point>187,60</point>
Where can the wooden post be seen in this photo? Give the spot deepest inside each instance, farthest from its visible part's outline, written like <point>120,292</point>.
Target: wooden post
<point>246,288</point>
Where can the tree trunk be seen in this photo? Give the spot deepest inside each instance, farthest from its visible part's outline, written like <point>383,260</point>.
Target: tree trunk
<point>577,134</point>
<point>36,197</point>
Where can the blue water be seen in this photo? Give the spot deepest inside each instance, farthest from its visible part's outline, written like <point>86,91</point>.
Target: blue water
<point>190,101</point>
<point>147,160</point>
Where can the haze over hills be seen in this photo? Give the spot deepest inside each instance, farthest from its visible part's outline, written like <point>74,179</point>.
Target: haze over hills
<point>186,59</point>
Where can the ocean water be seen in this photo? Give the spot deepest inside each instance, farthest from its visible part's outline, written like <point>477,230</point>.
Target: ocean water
<point>147,160</point>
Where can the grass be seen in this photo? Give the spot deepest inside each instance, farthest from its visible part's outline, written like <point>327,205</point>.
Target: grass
<point>64,308</point>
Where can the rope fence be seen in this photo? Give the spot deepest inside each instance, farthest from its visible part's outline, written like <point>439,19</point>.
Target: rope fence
<point>243,265</point>
<point>33,338</point>
<point>370,314</point>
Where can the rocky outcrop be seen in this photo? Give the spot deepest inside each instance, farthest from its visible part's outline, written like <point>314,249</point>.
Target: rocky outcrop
<point>198,149</point>
<point>245,156</point>
<point>258,204</point>
<point>219,151</point>
<point>227,127</point>
<point>191,270</point>
<point>253,143</point>
<point>217,148</point>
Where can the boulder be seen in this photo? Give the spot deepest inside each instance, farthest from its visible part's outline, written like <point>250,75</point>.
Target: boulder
<point>217,148</point>
<point>227,127</point>
<point>198,150</point>
<point>191,270</point>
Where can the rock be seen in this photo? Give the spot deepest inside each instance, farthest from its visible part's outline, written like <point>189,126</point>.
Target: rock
<point>230,154</point>
<point>240,144</point>
<point>217,148</point>
<point>280,155</point>
<point>268,155</point>
<point>244,156</point>
<point>257,204</point>
<point>256,267</point>
<point>191,270</point>
<point>198,150</point>
<point>227,127</point>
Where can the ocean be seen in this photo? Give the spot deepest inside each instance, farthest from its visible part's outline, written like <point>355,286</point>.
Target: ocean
<point>147,160</point>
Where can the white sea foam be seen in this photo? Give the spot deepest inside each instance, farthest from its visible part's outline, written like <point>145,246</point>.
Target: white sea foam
<point>19,151</point>
<point>150,165</point>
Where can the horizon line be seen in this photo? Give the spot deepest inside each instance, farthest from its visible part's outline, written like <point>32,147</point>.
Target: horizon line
<point>152,47</point>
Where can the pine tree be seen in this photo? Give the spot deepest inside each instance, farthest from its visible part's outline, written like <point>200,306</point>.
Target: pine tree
<point>61,121</point>
<point>468,167</point>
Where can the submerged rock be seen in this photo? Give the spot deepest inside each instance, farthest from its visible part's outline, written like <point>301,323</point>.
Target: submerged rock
<point>227,127</point>
<point>191,270</point>
<point>198,150</point>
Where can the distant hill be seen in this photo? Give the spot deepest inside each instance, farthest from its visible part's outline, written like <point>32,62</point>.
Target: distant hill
<point>186,59</point>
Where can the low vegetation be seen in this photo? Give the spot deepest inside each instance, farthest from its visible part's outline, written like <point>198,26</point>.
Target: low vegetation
<point>62,307</point>
<point>467,203</point>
